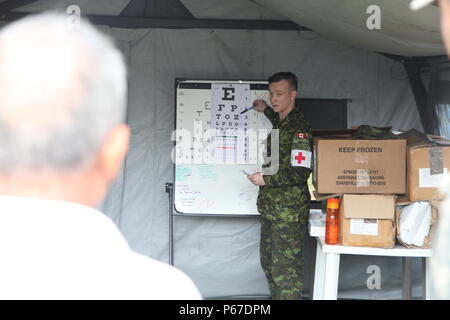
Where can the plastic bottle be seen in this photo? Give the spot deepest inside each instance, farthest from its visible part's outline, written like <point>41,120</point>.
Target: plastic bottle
<point>332,222</point>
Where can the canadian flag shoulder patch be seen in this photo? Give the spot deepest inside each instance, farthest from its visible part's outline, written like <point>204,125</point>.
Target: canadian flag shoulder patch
<point>301,135</point>
<point>301,158</point>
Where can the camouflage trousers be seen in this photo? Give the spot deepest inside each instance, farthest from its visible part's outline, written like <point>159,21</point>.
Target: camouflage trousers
<point>282,257</point>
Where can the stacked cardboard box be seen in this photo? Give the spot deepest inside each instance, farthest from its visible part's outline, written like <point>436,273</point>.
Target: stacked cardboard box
<point>344,165</point>
<point>428,160</point>
<point>428,163</point>
<point>368,174</point>
<point>367,220</point>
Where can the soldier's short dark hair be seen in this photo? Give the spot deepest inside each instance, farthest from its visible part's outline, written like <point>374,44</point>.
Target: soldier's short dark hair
<point>289,76</point>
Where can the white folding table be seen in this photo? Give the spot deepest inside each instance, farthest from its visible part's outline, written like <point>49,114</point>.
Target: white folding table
<point>326,274</point>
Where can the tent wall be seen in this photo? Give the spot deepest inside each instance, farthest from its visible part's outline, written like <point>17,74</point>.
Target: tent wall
<point>222,254</point>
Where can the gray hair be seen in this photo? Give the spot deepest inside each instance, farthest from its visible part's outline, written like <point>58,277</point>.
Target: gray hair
<point>62,89</point>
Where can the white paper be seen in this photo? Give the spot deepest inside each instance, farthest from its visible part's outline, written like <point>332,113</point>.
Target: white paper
<point>415,221</point>
<point>317,223</point>
<point>427,180</point>
<point>367,227</point>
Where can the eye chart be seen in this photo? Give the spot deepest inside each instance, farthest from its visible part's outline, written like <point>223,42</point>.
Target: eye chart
<point>230,126</point>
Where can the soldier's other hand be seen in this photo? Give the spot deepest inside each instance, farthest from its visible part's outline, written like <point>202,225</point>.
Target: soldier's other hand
<point>259,105</point>
<point>257,179</point>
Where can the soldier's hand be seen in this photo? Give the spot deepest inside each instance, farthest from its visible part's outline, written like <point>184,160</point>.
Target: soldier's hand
<point>259,105</point>
<point>257,179</point>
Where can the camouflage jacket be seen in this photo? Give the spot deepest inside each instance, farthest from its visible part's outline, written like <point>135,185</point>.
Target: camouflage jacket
<point>286,195</point>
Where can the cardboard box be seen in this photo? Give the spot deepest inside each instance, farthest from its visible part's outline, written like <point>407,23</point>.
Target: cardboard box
<point>344,165</point>
<point>427,162</point>
<point>367,221</point>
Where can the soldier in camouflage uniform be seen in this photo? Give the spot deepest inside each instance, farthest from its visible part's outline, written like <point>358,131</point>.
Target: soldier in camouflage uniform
<point>283,199</point>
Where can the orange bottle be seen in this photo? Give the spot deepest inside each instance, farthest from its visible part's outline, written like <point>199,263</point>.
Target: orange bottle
<point>332,222</point>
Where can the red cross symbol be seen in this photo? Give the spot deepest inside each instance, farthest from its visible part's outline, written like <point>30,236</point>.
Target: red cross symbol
<point>299,157</point>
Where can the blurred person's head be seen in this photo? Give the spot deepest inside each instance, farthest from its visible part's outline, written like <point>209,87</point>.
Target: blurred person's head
<point>62,109</point>
<point>444,6</point>
<point>439,264</point>
<point>445,23</point>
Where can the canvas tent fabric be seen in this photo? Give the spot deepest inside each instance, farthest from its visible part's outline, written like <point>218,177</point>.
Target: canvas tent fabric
<point>221,255</point>
<point>402,31</point>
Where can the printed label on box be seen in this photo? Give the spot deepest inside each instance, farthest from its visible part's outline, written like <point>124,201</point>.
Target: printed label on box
<point>368,227</point>
<point>427,180</point>
<point>360,178</point>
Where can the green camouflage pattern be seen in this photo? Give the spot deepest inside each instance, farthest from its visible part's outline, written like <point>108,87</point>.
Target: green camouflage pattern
<point>282,258</point>
<point>286,195</point>
<point>372,133</point>
<point>284,206</point>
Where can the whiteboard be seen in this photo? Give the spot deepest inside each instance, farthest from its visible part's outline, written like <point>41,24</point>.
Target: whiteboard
<point>209,177</point>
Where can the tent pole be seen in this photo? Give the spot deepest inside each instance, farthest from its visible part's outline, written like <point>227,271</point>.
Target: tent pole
<point>426,111</point>
<point>169,190</point>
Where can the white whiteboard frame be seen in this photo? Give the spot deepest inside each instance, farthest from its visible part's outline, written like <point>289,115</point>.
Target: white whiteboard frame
<point>177,210</point>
